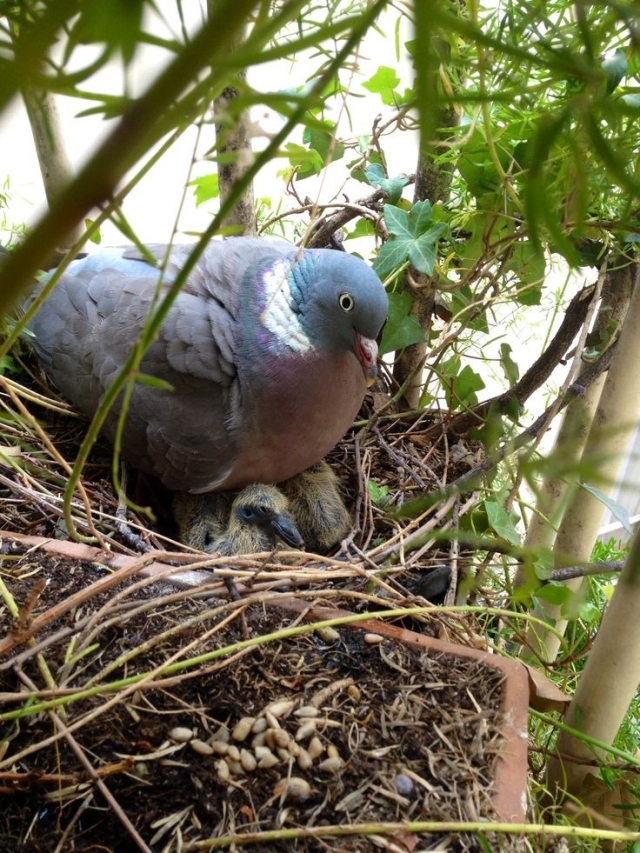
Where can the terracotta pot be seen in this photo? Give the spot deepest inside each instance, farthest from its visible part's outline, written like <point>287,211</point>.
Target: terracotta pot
<point>510,771</point>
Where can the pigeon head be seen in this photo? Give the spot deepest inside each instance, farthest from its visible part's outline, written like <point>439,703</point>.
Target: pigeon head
<point>322,299</point>
<point>266,509</point>
<point>342,304</point>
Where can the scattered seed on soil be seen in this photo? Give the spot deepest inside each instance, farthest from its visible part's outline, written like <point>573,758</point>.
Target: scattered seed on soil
<point>201,747</point>
<point>181,734</point>
<point>293,788</point>
<point>242,729</point>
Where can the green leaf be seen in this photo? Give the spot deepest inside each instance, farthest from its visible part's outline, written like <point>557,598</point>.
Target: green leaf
<point>413,238</point>
<point>617,510</point>
<point>501,522</point>
<point>528,263</point>
<point>363,228</point>
<point>543,563</point>
<point>206,188</point>
<point>154,382</point>
<point>391,186</point>
<point>398,221</point>
<point>554,593</point>
<point>460,388</point>
<point>307,160</point>
<point>384,83</point>
<point>390,256</point>
<point>509,366</point>
<point>422,252</point>
<point>402,328</point>
<point>116,23</point>
<point>379,494</point>
<point>324,142</point>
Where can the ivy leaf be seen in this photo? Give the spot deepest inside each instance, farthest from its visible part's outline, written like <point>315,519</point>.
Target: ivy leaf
<point>422,252</point>
<point>500,521</point>
<point>206,188</point>
<point>384,83</point>
<point>308,161</point>
<point>461,385</point>
<point>409,240</point>
<point>391,186</point>
<point>398,221</point>
<point>324,143</point>
<point>402,328</point>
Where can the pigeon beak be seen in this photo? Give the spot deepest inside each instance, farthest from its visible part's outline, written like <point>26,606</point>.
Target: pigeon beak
<point>367,355</point>
<point>287,531</point>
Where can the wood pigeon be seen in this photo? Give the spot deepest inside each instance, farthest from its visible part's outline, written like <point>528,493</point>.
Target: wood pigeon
<point>264,357</point>
<point>316,506</point>
<point>252,520</point>
<point>310,501</point>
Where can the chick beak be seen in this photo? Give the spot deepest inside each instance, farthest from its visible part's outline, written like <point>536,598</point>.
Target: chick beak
<point>367,355</point>
<point>287,531</point>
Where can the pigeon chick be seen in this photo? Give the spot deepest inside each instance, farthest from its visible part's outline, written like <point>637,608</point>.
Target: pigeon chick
<point>255,519</point>
<point>316,506</point>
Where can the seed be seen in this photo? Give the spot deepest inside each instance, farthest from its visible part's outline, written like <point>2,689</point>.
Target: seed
<point>373,639</point>
<point>281,709</point>
<point>181,734</point>
<point>305,762</point>
<point>219,747</point>
<point>306,730</point>
<point>282,738</point>
<point>354,693</point>
<point>222,735</point>
<point>268,761</point>
<point>259,726</point>
<point>259,740</point>
<point>248,760</point>
<point>329,635</point>
<point>271,720</point>
<point>262,752</point>
<point>201,747</point>
<point>236,768</point>
<point>306,711</point>
<point>332,751</point>
<point>233,753</point>
<point>283,754</point>
<point>315,748</point>
<point>293,788</point>
<point>222,769</point>
<point>242,728</point>
<point>331,765</point>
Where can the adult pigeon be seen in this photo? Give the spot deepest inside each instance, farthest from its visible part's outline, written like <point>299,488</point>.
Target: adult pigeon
<point>265,355</point>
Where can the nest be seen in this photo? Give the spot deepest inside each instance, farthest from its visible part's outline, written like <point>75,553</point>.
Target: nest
<point>123,696</point>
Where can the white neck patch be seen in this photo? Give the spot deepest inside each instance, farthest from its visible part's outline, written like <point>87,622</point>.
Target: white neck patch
<point>277,316</point>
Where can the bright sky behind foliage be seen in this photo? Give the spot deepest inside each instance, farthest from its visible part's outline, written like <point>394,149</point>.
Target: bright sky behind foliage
<point>152,207</point>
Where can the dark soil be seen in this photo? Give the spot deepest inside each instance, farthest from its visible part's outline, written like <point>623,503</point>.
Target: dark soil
<point>97,757</point>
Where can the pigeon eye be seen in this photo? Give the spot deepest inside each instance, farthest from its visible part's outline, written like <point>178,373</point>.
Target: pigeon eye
<point>346,302</point>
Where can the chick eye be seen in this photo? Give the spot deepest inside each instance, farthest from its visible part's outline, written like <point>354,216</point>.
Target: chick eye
<point>346,302</point>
